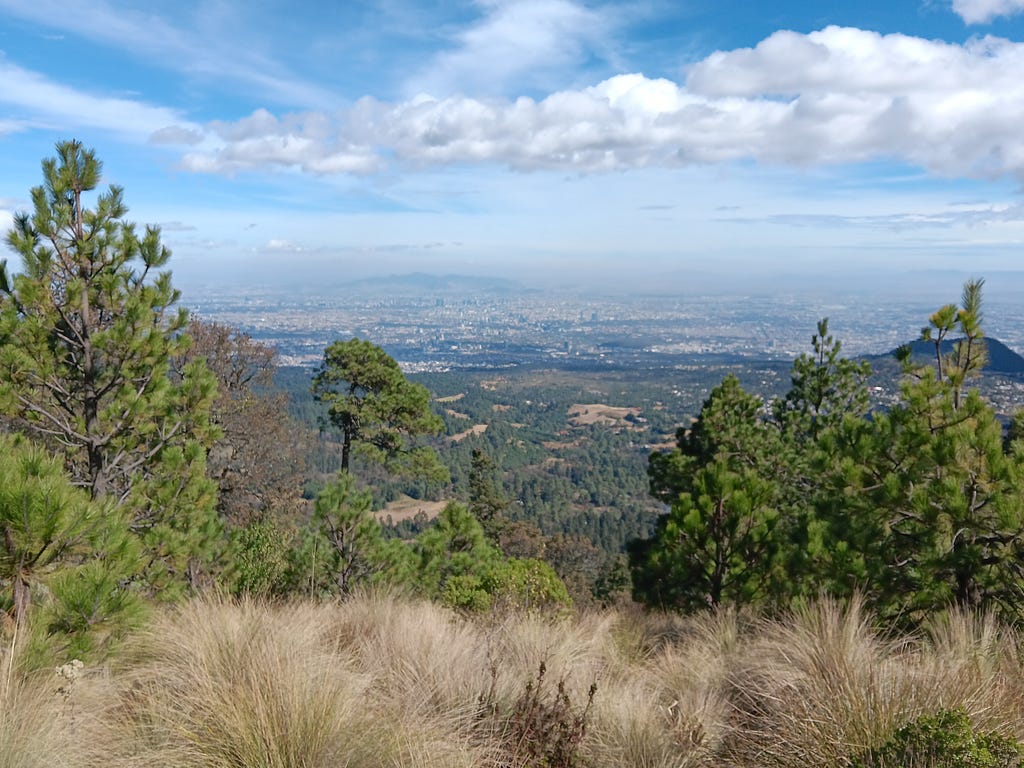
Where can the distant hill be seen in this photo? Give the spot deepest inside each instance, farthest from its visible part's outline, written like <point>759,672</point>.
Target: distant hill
<point>1001,359</point>
<point>423,284</point>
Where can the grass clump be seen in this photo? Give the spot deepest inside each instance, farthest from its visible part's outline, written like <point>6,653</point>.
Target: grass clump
<point>382,681</point>
<point>239,684</point>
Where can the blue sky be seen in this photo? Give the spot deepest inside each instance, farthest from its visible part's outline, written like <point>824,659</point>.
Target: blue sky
<point>535,138</point>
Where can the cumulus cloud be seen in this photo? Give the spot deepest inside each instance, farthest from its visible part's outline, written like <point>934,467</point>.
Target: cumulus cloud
<point>838,95</point>
<point>983,11</point>
<point>308,142</point>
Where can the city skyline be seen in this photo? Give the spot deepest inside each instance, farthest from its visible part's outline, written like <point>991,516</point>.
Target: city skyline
<point>549,140</point>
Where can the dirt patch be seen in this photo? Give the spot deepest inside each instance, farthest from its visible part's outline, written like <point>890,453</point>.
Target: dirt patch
<point>501,408</point>
<point>456,414</point>
<point>476,429</point>
<point>584,414</point>
<point>406,508</point>
<point>450,398</point>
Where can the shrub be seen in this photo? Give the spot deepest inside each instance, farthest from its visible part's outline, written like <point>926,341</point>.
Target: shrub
<point>542,729</point>
<point>946,739</point>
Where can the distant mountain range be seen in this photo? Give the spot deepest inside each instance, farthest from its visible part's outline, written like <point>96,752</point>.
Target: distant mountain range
<point>1001,359</point>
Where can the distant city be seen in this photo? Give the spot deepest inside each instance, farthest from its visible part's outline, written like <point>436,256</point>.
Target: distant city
<point>438,323</point>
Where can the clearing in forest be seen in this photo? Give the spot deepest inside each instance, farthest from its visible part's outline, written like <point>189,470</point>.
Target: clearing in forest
<point>584,414</point>
<point>406,508</point>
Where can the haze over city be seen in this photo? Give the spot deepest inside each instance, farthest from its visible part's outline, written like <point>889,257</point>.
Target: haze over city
<point>603,145</point>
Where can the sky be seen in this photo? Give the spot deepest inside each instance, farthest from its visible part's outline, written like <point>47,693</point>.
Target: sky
<point>625,143</point>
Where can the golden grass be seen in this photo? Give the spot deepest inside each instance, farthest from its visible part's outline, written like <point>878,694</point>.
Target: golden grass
<point>384,681</point>
<point>406,508</point>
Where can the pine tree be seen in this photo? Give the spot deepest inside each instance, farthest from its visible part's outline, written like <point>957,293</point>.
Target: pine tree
<point>63,556</point>
<point>825,388</point>
<point>88,330</point>
<point>377,409</point>
<point>929,510</point>
<point>719,542</point>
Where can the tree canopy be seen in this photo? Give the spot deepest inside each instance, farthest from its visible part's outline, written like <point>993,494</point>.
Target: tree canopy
<point>377,410</point>
<point>918,506</point>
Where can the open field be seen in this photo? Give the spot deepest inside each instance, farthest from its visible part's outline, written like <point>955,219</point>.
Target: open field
<point>406,508</point>
<point>381,681</point>
<point>476,429</point>
<point>583,414</point>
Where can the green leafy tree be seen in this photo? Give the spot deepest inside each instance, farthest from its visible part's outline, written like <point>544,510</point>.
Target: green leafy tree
<point>453,559</point>
<point>746,488</point>
<point>528,584</point>
<point>88,330</point>
<point>63,556</point>
<point>822,412</point>
<point>928,510</point>
<point>377,409</point>
<point>969,353</point>
<point>458,565</point>
<point>259,558</point>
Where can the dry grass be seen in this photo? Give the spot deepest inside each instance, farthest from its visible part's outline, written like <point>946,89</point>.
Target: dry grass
<point>584,414</point>
<point>406,508</point>
<point>34,723</point>
<point>384,681</point>
<point>476,429</point>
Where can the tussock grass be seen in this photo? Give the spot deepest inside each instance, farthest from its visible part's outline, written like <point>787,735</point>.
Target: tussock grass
<point>382,681</point>
<point>422,659</point>
<point>41,710</point>
<point>816,687</point>
<point>237,684</point>
<point>33,724</point>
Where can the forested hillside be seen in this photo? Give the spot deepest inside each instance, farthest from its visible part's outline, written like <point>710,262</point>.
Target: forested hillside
<point>148,458</point>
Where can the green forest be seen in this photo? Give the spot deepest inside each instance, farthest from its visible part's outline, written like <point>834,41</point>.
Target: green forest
<point>159,471</point>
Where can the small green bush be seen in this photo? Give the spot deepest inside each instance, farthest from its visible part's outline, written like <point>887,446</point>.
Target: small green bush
<point>946,739</point>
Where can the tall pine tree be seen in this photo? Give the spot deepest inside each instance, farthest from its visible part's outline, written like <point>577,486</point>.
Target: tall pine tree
<point>88,330</point>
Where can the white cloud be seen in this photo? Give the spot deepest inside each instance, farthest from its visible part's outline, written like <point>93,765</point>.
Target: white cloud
<point>285,246</point>
<point>176,134</point>
<point>838,95</point>
<point>7,208</point>
<point>307,142</point>
<point>12,126</point>
<point>944,218</point>
<point>176,226</point>
<point>518,42</point>
<point>53,104</point>
<point>983,11</point>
